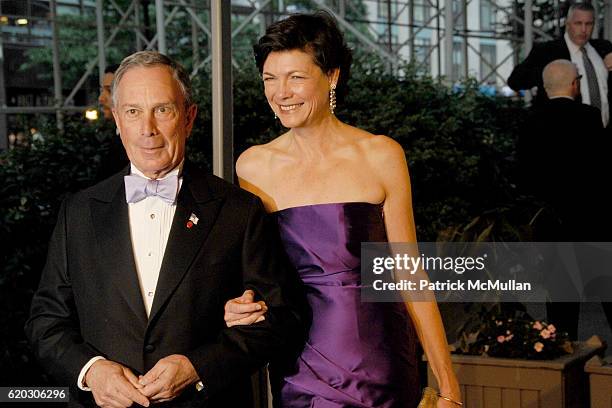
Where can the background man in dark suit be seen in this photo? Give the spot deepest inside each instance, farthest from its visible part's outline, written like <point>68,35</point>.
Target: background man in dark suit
<point>115,158</point>
<point>104,98</point>
<point>561,152</point>
<point>130,303</point>
<point>592,57</point>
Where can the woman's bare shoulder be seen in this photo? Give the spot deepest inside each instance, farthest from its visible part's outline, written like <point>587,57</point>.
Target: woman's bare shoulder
<point>377,147</point>
<point>253,158</point>
<point>257,162</point>
<point>250,159</point>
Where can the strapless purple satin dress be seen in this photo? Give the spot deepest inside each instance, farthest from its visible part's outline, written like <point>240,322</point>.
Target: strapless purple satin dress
<point>358,354</point>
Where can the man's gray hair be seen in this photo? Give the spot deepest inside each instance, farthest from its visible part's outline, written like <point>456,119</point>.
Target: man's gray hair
<point>580,6</point>
<point>148,59</point>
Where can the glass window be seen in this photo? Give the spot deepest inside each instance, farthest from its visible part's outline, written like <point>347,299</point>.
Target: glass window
<point>14,7</point>
<point>422,54</point>
<point>487,16</point>
<point>63,10</point>
<point>383,9</point>
<point>488,61</point>
<point>40,9</point>
<point>384,19</point>
<point>422,12</point>
<point>457,61</point>
<point>458,13</point>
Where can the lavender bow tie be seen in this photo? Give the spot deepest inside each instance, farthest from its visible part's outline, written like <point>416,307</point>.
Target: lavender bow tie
<point>138,188</point>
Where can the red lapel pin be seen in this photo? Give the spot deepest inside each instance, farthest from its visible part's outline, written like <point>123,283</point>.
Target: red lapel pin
<point>193,220</point>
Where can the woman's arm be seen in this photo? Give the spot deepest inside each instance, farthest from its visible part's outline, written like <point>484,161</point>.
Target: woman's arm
<point>244,310</point>
<point>392,171</point>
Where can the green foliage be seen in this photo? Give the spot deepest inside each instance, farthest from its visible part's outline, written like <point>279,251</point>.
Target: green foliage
<point>459,148</point>
<point>34,181</point>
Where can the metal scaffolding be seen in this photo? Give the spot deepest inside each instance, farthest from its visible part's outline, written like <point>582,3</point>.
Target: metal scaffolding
<point>438,36</point>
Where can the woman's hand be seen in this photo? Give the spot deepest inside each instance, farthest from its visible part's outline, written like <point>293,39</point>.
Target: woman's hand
<point>243,310</point>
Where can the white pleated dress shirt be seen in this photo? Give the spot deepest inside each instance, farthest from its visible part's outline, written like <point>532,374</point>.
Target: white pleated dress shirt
<point>150,223</point>
<point>600,71</point>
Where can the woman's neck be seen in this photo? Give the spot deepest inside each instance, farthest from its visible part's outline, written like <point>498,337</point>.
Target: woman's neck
<point>316,139</point>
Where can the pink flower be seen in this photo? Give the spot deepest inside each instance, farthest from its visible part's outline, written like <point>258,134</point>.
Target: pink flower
<point>501,339</point>
<point>551,328</point>
<point>537,325</point>
<point>538,347</point>
<point>545,333</point>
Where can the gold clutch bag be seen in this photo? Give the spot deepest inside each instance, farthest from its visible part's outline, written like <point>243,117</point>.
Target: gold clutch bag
<point>430,398</point>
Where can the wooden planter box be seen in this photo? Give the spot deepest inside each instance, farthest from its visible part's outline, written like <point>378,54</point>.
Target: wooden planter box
<point>489,382</point>
<point>600,380</point>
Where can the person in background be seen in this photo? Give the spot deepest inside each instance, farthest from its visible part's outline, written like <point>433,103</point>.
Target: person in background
<point>104,99</point>
<point>561,156</point>
<point>593,57</point>
<point>114,159</point>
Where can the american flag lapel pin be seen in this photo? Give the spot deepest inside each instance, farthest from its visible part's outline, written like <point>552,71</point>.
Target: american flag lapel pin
<point>193,220</point>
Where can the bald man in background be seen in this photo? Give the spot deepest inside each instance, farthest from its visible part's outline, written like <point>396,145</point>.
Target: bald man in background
<point>561,156</point>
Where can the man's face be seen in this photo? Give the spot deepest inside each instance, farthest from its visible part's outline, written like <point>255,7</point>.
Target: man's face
<point>152,119</point>
<point>105,95</point>
<point>579,27</point>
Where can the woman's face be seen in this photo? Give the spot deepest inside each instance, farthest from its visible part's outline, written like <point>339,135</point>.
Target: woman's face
<point>296,88</point>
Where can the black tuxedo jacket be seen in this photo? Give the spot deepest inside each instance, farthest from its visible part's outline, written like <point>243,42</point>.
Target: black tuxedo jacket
<point>89,302</point>
<point>562,154</point>
<point>528,73</point>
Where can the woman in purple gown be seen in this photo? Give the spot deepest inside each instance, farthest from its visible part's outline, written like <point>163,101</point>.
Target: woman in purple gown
<point>330,187</point>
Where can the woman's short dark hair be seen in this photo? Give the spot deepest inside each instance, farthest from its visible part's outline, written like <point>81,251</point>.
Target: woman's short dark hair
<point>318,35</point>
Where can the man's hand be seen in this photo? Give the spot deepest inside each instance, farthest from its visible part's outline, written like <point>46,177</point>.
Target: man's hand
<point>608,61</point>
<point>114,385</point>
<point>244,310</point>
<point>167,379</point>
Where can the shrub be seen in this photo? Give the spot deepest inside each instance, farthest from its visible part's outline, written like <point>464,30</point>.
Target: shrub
<point>512,333</point>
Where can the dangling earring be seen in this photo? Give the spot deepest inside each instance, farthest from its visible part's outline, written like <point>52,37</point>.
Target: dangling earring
<point>275,117</point>
<point>117,131</point>
<point>332,98</point>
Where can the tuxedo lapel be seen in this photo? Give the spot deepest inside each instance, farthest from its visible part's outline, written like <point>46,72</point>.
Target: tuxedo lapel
<point>196,213</point>
<point>562,50</point>
<point>111,223</point>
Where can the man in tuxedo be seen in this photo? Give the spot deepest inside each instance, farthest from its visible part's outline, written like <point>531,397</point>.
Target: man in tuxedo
<point>561,154</point>
<point>593,58</point>
<point>130,303</point>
